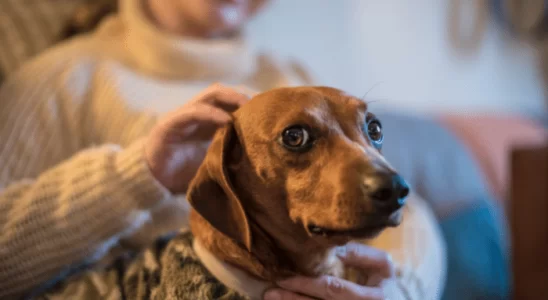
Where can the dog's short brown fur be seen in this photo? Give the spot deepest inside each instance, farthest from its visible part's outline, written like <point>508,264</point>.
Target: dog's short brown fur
<point>253,199</point>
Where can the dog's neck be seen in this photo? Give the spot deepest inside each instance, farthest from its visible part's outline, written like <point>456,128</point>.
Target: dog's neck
<point>231,276</point>
<point>268,261</point>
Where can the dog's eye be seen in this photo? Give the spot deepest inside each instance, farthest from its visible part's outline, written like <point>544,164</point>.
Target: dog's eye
<point>374,130</point>
<point>296,138</point>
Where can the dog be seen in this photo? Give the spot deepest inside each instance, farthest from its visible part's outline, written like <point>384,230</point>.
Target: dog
<point>297,173</point>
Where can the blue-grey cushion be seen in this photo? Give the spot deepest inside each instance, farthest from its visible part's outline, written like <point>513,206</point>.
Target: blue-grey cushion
<point>442,170</point>
<point>477,254</point>
<point>437,165</point>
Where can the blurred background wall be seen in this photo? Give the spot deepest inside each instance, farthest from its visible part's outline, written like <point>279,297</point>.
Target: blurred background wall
<point>419,56</point>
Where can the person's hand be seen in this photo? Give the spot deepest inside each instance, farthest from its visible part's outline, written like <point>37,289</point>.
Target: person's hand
<point>177,145</point>
<point>374,262</point>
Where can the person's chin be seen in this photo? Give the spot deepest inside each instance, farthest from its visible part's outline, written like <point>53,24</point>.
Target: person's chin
<point>220,29</point>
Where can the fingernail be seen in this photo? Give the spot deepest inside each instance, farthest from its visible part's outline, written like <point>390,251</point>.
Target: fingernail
<point>374,280</point>
<point>272,295</point>
<point>283,283</point>
<point>341,251</point>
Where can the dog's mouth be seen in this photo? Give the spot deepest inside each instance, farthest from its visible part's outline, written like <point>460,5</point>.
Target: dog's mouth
<point>360,232</point>
<point>367,231</point>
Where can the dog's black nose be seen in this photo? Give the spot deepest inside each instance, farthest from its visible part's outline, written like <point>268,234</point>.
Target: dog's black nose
<point>390,193</point>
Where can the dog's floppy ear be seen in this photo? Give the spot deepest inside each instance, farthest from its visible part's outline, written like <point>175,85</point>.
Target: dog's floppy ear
<point>211,193</point>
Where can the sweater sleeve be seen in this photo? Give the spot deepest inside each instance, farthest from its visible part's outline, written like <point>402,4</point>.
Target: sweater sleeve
<point>60,205</point>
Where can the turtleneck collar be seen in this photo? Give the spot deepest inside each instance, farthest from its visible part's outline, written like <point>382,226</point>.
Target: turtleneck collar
<point>169,56</point>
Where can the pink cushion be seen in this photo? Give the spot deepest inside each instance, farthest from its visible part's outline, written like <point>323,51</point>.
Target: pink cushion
<point>491,139</point>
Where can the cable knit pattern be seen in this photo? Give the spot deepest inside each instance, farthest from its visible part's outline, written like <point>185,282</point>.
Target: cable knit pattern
<point>74,186</point>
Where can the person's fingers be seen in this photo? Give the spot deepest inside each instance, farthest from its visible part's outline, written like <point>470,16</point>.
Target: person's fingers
<point>375,280</point>
<point>208,113</point>
<point>331,288</point>
<point>212,106</point>
<point>279,294</point>
<point>222,96</point>
<point>246,91</point>
<point>367,258</point>
<point>196,114</point>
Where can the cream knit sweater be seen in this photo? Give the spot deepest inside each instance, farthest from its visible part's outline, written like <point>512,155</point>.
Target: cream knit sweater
<point>74,187</point>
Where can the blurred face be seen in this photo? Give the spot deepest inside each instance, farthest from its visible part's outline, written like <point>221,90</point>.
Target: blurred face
<point>216,17</point>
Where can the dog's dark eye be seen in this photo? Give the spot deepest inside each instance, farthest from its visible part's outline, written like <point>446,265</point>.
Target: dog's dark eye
<point>296,138</point>
<point>374,130</point>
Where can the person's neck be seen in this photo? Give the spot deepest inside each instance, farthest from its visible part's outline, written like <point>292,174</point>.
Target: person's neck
<point>160,53</point>
<point>165,16</point>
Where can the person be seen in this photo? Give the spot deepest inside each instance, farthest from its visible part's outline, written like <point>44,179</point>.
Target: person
<point>95,161</point>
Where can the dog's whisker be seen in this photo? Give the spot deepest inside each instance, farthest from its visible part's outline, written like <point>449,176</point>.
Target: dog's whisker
<point>370,89</point>
<point>375,100</point>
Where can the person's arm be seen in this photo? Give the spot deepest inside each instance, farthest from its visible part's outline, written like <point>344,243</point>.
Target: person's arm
<point>78,204</point>
<point>72,213</point>
<point>60,207</point>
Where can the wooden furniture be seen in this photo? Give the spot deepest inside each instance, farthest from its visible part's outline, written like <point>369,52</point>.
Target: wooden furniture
<point>528,216</point>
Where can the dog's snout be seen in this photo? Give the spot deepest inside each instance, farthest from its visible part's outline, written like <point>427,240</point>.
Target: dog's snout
<point>390,192</point>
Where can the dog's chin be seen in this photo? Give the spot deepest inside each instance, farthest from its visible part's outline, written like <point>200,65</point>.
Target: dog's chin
<point>340,235</point>
<point>395,219</point>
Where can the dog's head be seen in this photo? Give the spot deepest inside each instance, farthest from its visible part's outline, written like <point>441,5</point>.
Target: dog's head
<point>306,161</point>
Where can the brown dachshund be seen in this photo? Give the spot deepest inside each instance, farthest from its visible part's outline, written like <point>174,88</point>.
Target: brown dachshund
<point>298,173</point>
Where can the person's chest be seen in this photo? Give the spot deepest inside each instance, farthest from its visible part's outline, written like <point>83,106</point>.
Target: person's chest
<point>143,93</point>
<point>156,95</point>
